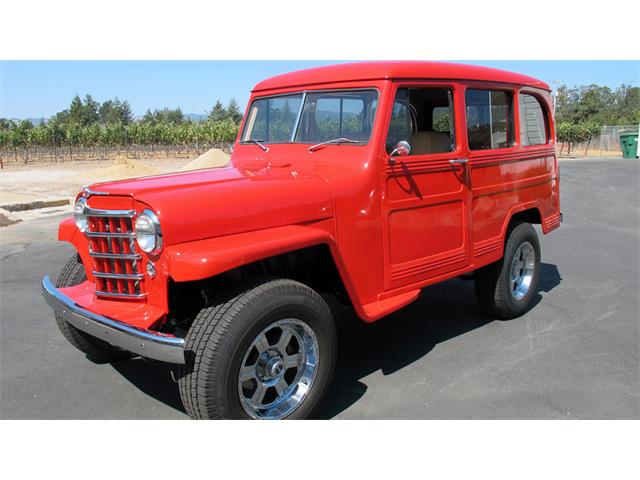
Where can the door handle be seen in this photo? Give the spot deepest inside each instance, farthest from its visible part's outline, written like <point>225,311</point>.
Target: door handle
<point>459,161</point>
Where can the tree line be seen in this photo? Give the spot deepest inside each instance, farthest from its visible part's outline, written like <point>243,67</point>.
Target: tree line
<point>89,123</point>
<point>581,112</point>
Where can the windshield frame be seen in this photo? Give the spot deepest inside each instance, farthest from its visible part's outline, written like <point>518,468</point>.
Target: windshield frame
<point>296,125</point>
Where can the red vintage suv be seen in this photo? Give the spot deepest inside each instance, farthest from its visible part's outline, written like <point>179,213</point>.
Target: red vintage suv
<point>364,181</point>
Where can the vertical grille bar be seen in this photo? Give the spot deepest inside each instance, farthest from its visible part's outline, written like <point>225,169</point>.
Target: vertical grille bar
<point>123,248</point>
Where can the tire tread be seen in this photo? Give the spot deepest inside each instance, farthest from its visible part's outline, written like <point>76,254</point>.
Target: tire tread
<point>490,290</point>
<point>207,335</point>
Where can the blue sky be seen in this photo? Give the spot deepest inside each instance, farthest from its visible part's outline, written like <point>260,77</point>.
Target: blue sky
<point>33,89</point>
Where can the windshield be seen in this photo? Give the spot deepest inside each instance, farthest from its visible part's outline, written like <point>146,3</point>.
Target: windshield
<point>312,117</point>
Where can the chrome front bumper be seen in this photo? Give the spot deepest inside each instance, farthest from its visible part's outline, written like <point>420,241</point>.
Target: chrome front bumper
<point>145,343</point>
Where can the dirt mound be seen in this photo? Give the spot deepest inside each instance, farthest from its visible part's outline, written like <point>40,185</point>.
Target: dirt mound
<point>119,169</point>
<point>123,167</point>
<point>211,158</point>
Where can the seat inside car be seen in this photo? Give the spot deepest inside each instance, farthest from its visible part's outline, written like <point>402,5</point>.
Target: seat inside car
<point>426,142</point>
<point>427,107</point>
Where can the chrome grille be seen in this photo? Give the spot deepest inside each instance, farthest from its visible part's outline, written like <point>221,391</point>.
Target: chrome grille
<point>116,261</point>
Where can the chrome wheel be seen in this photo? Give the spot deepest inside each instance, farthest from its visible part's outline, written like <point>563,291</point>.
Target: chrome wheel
<point>522,269</point>
<point>278,369</point>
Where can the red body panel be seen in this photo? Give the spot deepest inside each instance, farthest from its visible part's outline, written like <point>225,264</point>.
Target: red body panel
<point>391,229</point>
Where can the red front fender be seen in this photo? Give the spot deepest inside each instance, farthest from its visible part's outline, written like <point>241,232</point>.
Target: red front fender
<point>206,258</point>
<point>67,230</point>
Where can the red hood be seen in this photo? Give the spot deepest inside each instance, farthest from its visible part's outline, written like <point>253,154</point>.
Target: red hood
<point>222,201</point>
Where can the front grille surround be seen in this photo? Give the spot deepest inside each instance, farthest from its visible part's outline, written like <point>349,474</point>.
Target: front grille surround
<point>117,265</point>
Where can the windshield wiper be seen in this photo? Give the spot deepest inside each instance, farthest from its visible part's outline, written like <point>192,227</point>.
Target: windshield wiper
<point>259,143</point>
<point>335,141</point>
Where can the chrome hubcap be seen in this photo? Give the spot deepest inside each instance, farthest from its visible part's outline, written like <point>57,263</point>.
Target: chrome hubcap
<point>278,369</point>
<point>274,367</point>
<point>522,267</point>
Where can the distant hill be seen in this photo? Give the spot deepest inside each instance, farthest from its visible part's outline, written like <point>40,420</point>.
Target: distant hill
<point>35,121</point>
<point>194,117</point>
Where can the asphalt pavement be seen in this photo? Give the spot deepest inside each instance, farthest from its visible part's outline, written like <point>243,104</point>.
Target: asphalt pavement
<point>574,355</point>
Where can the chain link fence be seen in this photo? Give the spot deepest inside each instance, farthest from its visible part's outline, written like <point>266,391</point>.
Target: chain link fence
<point>606,144</point>
<point>609,140</point>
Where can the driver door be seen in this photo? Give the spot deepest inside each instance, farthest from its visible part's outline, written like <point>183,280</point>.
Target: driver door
<point>426,203</point>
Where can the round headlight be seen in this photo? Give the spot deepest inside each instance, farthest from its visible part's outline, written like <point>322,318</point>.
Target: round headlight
<point>79,214</point>
<point>148,232</point>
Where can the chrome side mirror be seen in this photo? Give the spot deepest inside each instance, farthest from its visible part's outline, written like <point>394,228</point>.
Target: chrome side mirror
<point>402,150</point>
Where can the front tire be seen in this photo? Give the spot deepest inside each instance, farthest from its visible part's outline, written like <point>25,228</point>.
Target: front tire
<point>505,288</point>
<point>96,350</point>
<point>265,353</point>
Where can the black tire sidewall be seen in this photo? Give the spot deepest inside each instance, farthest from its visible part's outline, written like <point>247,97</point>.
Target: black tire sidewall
<point>73,273</point>
<point>522,233</point>
<point>254,318</point>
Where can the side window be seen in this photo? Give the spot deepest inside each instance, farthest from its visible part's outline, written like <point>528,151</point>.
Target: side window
<point>533,125</point>
<point>489,119</point>
<point>424,118</point>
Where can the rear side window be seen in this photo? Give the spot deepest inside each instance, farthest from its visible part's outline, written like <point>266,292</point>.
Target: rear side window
<point>533,125</point>
<point>489,119</point>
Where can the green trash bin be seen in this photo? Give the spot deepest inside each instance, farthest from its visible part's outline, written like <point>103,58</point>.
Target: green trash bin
<point>629,145</point>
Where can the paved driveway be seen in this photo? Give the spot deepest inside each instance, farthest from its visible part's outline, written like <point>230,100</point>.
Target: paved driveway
<point>575,355</point>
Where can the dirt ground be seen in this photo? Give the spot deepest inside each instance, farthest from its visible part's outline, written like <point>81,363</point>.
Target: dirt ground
<point>26,183</point>
<point>591,152</point>
<point>45,181</point>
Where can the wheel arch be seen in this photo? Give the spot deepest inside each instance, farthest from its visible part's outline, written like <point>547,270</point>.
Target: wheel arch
<point>529,213</point>
<point>301,253</point>
<point>68,232</point>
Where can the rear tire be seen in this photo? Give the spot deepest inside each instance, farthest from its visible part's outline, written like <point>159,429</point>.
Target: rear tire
<point>289,331</point>
<point>96,350</point>
<point>505,288</point>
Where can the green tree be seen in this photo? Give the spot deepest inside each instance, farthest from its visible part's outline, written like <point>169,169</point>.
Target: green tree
<point>598,104</point>
<point>76,111</point>
<point>233,111</point>
<point>218,112</point>
<point>166,115</point>
<point>572,133</point>
<point>115,111</point>
<point>90,111</point>
<point>628,104</point>
<point>6,124</point>
<point>126,115</point>
<point>80,112</point>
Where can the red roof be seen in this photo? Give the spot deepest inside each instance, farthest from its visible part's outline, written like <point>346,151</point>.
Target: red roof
<point>346,72</point>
